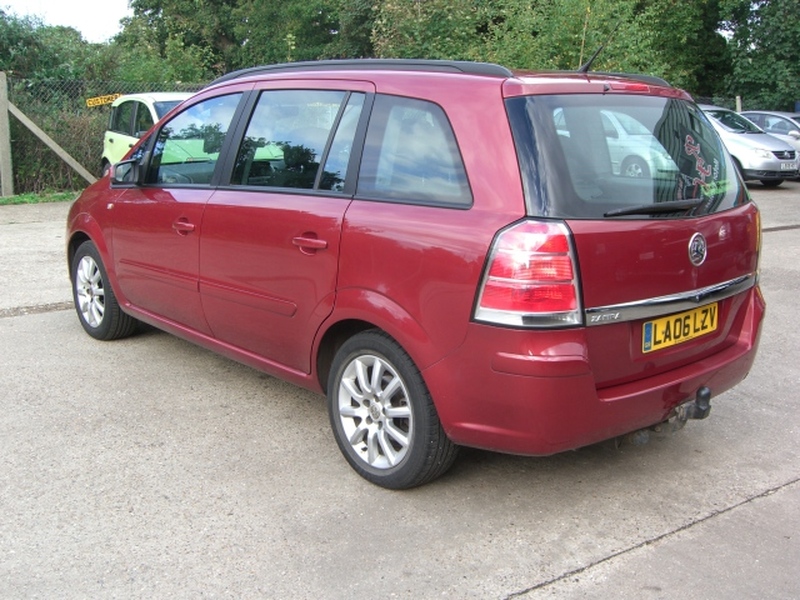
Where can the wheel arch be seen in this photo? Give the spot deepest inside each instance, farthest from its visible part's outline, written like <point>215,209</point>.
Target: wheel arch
<point>359,310</point>
<point>83,228</point>
<point>336,335</point>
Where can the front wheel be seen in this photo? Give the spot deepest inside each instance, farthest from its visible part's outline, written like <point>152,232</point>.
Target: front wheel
<point>382,415</point>
<point>636,167</point>
<point>95,302</point>
<point>771,183</point>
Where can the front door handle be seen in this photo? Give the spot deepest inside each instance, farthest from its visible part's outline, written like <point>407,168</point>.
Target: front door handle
<point>182,226</point>
<point>309,243</point>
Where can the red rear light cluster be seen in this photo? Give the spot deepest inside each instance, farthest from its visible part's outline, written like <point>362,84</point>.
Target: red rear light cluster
<point>531,279</point>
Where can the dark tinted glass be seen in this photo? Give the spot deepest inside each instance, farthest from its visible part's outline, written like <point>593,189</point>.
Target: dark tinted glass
<point>187,148</point>
<point>587,155</point>
<point>144,120</point>
<point>122,117</point>
<point>411,155</point>
<point>287,136</point>
<point>164,107</point>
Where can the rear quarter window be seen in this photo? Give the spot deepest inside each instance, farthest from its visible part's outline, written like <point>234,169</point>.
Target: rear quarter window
<point>410,155</point>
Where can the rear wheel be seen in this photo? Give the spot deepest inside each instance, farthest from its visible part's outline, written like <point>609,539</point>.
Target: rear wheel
<point>95,302</point>
<point>382,415</point>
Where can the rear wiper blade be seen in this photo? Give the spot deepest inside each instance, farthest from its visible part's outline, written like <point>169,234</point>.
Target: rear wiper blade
<point>657,208</point>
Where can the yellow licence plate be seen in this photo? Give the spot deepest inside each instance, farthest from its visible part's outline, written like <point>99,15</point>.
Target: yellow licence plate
<point>676,329</point>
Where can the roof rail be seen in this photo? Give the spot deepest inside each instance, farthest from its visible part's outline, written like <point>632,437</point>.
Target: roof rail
<point>392,64</point>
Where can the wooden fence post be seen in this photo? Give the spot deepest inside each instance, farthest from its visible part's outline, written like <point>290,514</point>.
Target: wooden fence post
<point>6,169</point>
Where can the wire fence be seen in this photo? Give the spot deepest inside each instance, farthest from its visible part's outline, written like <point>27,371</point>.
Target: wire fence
<point>75,114</point>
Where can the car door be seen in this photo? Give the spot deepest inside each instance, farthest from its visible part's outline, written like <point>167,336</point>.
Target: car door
<point>783,129</point>
<point>157,225</point>
<point>270,244</point>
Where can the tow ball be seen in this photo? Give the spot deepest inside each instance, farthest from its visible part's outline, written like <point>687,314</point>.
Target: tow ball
<point>698,408</point>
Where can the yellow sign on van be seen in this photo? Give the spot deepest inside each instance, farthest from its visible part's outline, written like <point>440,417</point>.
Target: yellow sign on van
<point>101,100</point>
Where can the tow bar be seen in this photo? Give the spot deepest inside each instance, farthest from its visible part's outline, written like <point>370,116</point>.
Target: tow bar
<point>699,408</point>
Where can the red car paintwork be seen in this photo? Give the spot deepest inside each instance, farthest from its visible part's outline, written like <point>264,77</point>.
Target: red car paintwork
<point>277,279</point>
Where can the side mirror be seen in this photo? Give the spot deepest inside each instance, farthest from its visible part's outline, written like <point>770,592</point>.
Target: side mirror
<point>127,172</point>
<point>795,134</point>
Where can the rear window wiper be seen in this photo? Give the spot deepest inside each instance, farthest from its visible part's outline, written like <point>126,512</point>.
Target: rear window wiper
<point>657,208</point>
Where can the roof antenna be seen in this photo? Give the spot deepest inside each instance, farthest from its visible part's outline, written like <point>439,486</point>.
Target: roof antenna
<point>585,27</point>
<point>584,68</point>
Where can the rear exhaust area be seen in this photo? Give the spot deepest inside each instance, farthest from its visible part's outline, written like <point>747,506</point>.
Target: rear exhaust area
<point>697,408</point>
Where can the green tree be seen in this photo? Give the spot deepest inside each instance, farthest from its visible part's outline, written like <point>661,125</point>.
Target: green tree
<point>286,31</point>
<point>684,44</point>
<point>765,45</point>
<point>353,35</point>
<point>29,49</point>
<point>673,39</point>
<point>439,29</point>
<point>193,30</point>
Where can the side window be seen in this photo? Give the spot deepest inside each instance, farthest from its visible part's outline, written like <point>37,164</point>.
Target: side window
<point>187,147</point>
<point>411,155</point>
<point>777,125</point>
<point>608,126</point>
<point>335,170</point>
<point>122,118</point>
<point>287,136</point>
<point>144,120</point>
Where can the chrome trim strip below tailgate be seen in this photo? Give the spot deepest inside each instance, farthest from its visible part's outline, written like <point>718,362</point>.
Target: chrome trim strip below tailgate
<point>664,305</point>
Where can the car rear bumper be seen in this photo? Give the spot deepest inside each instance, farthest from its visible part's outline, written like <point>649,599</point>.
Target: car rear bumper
<point>537,396</point>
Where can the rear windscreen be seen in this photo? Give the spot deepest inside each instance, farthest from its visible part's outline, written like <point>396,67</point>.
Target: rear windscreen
<point>594,156</point>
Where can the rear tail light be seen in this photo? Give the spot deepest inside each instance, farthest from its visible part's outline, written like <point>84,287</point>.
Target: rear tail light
<point>531,278</point>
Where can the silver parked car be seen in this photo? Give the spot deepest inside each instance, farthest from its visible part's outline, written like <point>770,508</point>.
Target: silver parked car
<point>758,155</point>
<point>783,125</point>
<point>634,151</point>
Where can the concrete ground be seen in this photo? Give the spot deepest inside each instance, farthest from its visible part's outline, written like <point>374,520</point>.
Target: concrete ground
<point>150,468</point>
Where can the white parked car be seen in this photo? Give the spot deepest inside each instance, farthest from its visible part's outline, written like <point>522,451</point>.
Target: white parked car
<point>132,115</point>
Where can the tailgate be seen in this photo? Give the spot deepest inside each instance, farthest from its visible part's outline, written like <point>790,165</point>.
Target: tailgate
<point>647,307</point>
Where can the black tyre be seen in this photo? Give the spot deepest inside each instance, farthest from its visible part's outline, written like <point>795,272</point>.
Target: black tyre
<point>382,415</point>
<point>95,302</point>
<point>739,168</point>
<point>635,166</point>
<point>770,183</point>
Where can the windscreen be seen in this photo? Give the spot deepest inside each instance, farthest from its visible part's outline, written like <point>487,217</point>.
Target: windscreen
<point>614,155</point>
<point>734,122</point>
<point>164,107</point>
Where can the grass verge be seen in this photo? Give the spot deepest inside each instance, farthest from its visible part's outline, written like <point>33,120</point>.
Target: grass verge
<point>38,198</point>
